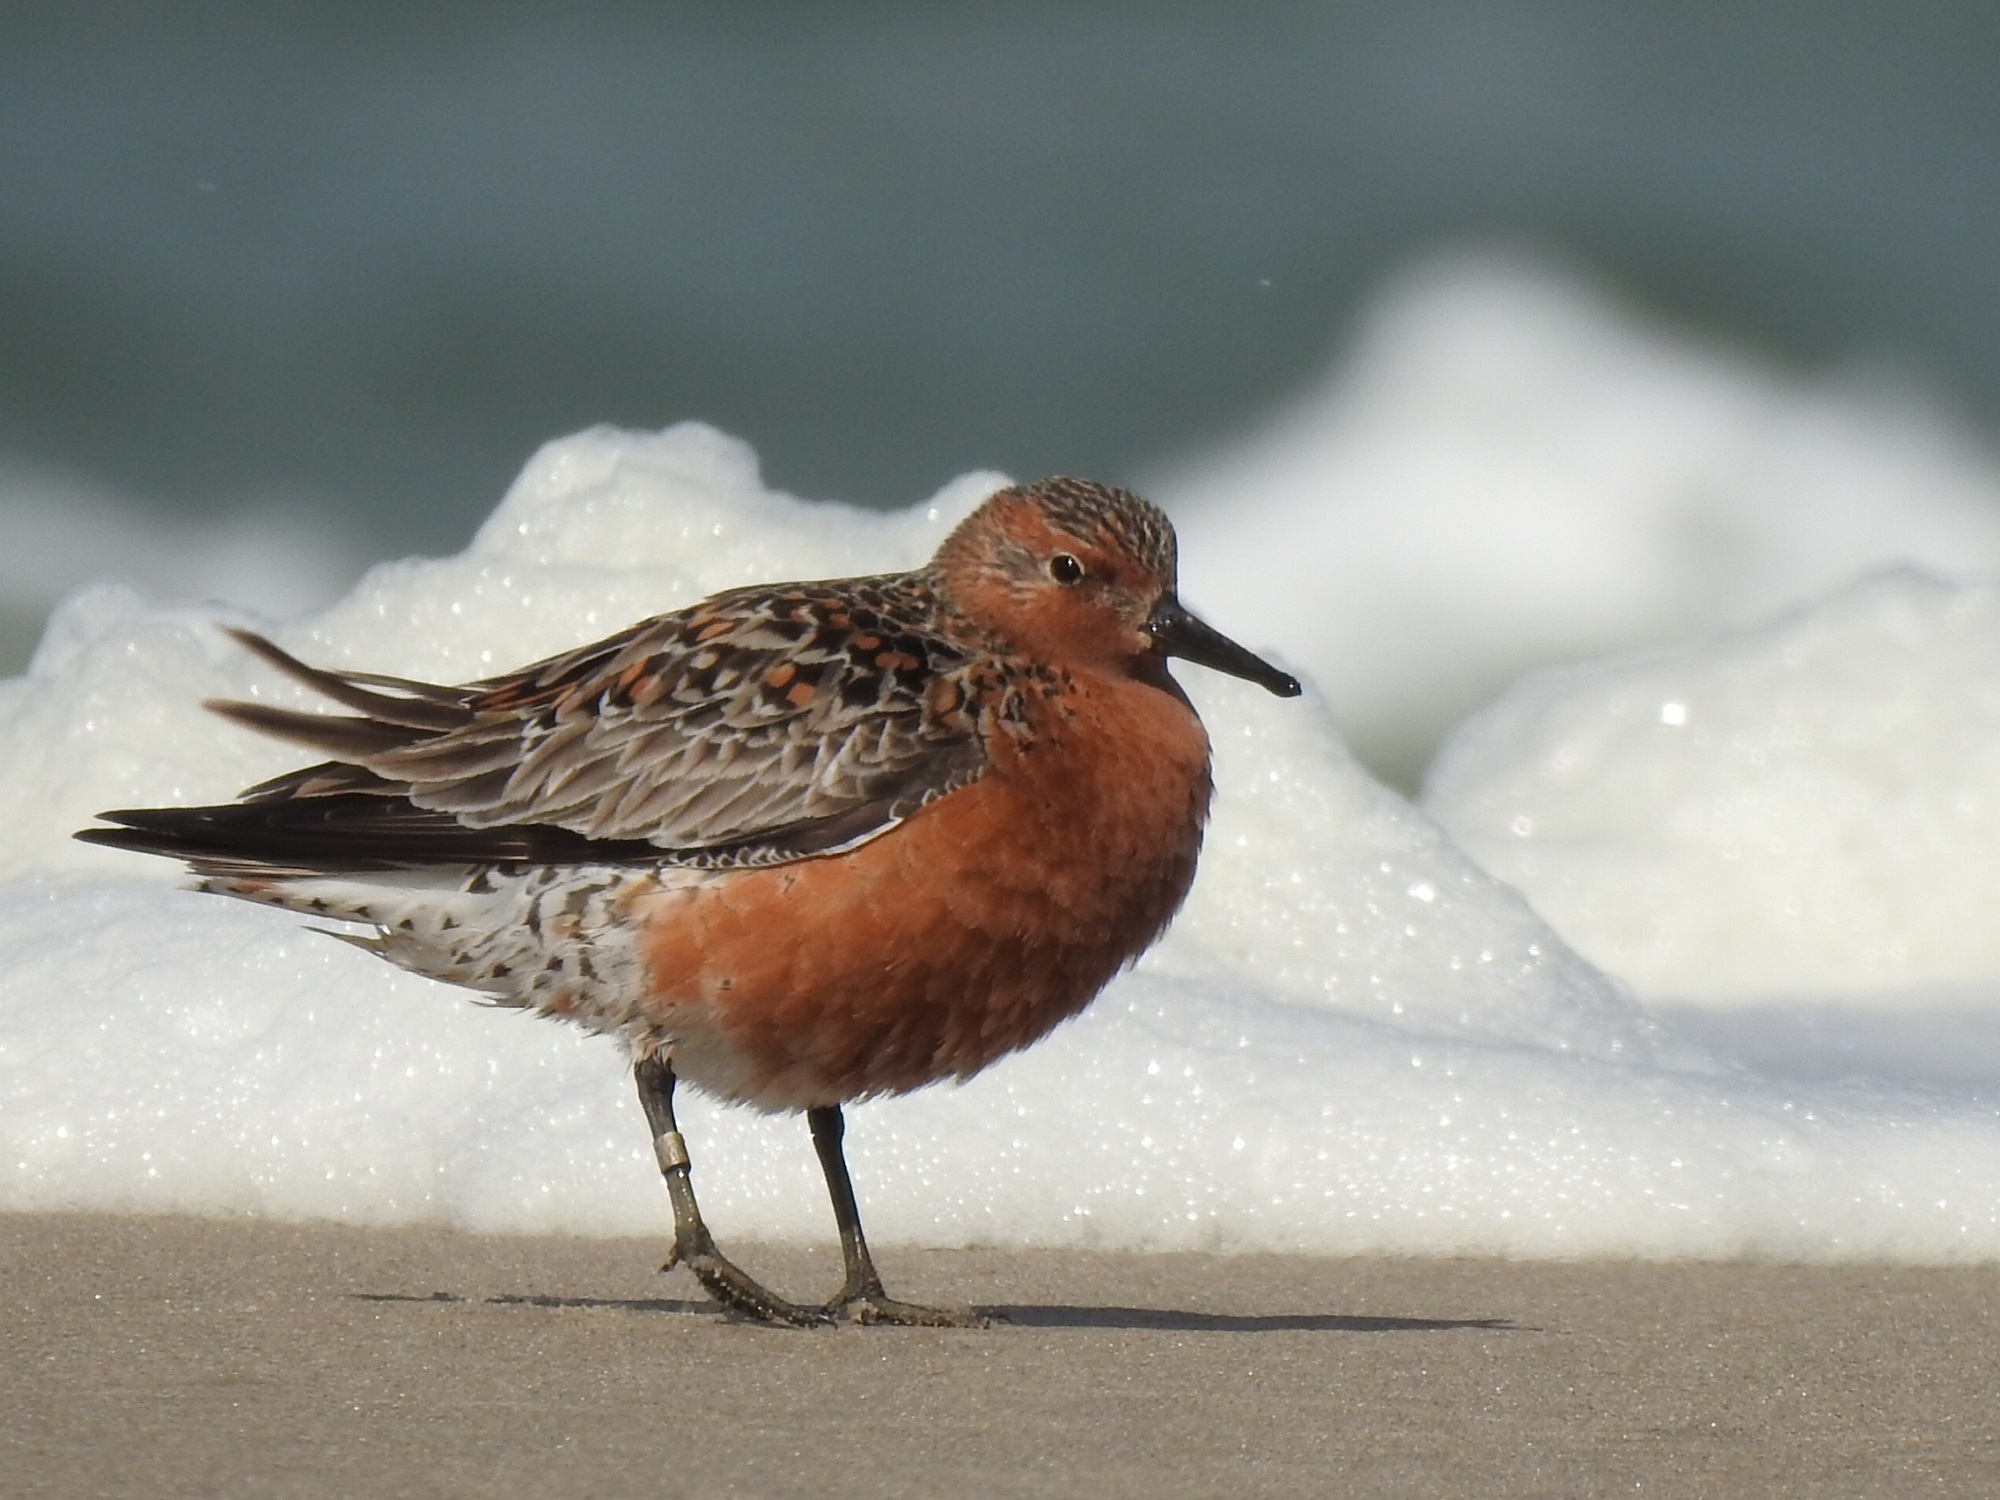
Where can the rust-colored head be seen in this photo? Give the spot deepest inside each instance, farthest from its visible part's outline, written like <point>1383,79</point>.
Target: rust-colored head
<point>1082,573</point>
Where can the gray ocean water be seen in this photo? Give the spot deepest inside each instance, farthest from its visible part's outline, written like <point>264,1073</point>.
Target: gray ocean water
<point>359,259</point>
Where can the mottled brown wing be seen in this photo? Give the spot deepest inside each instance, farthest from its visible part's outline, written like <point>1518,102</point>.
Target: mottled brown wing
<point>756,727</point>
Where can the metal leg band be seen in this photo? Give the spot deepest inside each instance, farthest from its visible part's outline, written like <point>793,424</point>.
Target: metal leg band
<point>670,1150</point>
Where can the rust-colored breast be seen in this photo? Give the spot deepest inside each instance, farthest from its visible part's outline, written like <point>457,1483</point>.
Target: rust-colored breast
<point>964,933</point>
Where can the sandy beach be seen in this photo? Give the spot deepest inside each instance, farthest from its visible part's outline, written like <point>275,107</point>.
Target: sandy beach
<point>178,1356</point>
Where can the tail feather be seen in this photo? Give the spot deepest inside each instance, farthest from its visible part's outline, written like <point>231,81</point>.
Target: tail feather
<point>414,705</point>
<point>331,734</point>
<point>341,817</point>
<point>346,832</point>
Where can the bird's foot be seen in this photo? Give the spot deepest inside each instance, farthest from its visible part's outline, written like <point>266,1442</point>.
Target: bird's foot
<point>741,1293</point>
<point>873,1307</point>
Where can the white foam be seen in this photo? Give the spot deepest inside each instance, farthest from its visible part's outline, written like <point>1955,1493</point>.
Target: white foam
<point>1807,809</point>
<point>1353,1039</point>
<point>1509,469</point>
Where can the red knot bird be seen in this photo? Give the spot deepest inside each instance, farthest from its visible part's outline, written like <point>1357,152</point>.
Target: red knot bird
<point>799,844</point>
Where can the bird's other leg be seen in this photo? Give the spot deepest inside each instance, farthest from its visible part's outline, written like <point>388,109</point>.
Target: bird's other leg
<point>693,1246</point>
<point>861,1296</point>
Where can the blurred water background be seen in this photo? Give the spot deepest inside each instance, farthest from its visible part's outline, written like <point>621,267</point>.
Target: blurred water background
<point>287,288</point>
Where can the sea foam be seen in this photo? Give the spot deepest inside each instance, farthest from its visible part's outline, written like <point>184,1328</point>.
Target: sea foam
<point>1507,468</point>
<point>1354,1038</point>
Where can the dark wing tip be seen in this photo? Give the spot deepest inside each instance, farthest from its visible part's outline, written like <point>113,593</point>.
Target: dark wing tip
<point>139,831</point>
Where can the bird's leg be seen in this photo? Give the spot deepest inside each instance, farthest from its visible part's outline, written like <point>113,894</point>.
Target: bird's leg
<point>861,1296</point>
<point>693,1247</point>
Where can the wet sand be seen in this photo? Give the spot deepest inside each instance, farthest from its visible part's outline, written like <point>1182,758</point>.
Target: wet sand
<point>170,1357</point>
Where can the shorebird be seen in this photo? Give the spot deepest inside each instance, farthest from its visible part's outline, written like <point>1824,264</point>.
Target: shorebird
<point>798,844</point>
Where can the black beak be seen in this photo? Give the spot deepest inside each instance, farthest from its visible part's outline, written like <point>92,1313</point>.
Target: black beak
<point>1177,633</point>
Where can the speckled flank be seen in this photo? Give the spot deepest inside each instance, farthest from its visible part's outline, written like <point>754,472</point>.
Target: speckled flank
<point>556,939</point>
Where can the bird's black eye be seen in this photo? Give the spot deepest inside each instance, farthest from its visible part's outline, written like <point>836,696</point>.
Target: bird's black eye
<point>1065,569</point>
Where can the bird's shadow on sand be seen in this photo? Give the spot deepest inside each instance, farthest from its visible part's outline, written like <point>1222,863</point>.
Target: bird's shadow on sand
<point>1032,1315</point>
<point>1058,1315</point>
